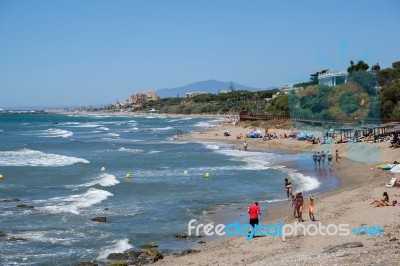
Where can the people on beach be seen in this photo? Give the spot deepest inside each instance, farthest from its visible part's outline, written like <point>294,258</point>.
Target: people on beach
<point>254,211</point>
<point>315,158</point>
<point>288,188</point>
<point>299,204</point>
<point>323,156</point>
<point>319,159</point>
<point>384,204</point>
<point>294,205</point>
<point>245,145</point>
<point>384,199</point>
<point>337,157</point>
<point>311,207</point>
<point>330,157</point>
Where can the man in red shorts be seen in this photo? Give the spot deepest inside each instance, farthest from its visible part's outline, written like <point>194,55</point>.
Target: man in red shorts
<point>254,211</point>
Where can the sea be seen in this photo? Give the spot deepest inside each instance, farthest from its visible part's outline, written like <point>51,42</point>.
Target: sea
<point>135,171</point>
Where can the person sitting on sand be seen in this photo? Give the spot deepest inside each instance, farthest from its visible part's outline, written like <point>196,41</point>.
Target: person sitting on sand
<point>384,199</point>
<point>384,204</point>
<point>299,204</point>
<point>311,208</point>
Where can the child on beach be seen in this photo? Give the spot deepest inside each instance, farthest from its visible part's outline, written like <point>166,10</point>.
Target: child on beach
<point>311,208</point>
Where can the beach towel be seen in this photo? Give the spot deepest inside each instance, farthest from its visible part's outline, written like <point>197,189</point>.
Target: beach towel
<point>392,182</point>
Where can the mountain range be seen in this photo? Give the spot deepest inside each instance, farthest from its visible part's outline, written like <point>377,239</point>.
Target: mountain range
<point>208,86</point>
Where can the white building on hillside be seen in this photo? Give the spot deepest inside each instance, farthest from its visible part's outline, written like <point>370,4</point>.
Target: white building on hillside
<point>332,78</point>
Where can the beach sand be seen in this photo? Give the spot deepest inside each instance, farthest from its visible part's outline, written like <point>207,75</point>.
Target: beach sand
<point>360,183</point>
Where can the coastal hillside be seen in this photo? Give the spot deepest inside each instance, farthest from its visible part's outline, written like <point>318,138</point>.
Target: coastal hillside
<point>208,86</point>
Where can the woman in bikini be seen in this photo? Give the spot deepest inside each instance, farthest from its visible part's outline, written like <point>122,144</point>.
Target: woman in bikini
<point>288,188</point>
<point>384,204</point>
<point>384,199</point>
<point>299,204</point>
<point>311,208</point>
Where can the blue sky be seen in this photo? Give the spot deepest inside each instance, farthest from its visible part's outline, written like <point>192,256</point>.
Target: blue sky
<point>88,52</point>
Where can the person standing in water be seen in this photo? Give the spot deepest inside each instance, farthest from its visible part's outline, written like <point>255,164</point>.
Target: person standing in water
<point>323,156</point>
<point>315,158</point>
<point>288,188</point>
<point>245,145</point>
<point>330,157</point>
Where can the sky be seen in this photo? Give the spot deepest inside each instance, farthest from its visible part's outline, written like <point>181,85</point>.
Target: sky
<point>93,52</point>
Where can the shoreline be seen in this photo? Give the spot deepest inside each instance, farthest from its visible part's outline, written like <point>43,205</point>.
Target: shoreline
<point>359,183</point>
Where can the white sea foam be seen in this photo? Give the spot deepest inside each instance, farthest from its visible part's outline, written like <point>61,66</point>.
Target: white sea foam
<point>103,128</point>
<point>160,128</point>
<point>26,157</point>
<point>56,133</point>
<point>305,183</point>
<point>112,135</point>
<point>153,152</point>
<point>130,150</point>
<point>74,203</point>
<point>118,246</point>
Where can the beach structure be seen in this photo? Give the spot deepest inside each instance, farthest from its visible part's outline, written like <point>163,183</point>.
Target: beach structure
<point>332,78</point>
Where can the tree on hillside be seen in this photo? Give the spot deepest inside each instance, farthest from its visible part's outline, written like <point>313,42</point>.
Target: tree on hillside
<point>396,64</point>
<point>376,67</point>
<point>314,77</point>
<point>361,65</point>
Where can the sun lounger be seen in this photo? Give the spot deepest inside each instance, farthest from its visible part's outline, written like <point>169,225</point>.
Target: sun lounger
<point>392,182</point>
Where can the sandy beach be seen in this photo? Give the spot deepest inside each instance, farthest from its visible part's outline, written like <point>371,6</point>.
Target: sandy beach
<point>360,183</point>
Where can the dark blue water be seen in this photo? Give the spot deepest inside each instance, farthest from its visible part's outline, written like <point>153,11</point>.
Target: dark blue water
<point>54,162</point>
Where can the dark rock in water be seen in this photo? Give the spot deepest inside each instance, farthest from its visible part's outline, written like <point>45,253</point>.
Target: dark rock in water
<point>85,263</point>
<point>15,239</point>
<point>25,206</point>
<point>141,257</point>
<point>180,235</point>
<point>118,263</point>
<point>10,200</point>
<point>189,251</point>
<point>106,209</point>
<point>100,219</point>
<point>116,256</point>
<point>150,245</point>
<point>2,234</point>
<point>201,242</point>
<point>330,249</point>
<point>149,256</point>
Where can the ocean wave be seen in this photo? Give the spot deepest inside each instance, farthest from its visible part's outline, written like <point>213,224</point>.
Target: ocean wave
<point>74,203</point>
<point>303,182</point>
<point>118,246</point>
<point>104,180</point>
<point>26,157</point>
<point>103,128</point>
<point>56,133</point>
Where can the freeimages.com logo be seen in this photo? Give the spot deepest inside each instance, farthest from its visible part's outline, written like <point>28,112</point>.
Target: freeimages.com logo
<point>281,230</point>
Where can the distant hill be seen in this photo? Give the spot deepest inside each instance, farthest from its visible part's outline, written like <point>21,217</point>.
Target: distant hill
<point>208,86</point>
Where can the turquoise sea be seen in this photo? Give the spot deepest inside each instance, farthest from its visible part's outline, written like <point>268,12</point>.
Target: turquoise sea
<point>54,163</point>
